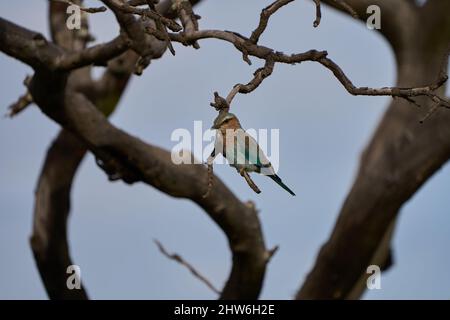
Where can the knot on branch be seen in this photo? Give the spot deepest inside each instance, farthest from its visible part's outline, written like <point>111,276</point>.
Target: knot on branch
<point>115,170</point>
<point>188,19</point>
<point>39,40</point>
<point>219,103</point>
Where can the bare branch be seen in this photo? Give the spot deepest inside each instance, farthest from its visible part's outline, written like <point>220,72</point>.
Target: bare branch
<point>347,8</point>
<point>84,9</point>
<point>394,14</point>
<point>318,14</point>
<point>180,260</point>
<point>248,48</point>
<point>137,160</point>
<point>259,77</point>
<point>401,156</point>
<point>264,18</point>
<point>142,43</point>
<point>430,112</point>
<point>124,157</point>
<point>99,54</point>
<point>189,20</point>
<point>51,210</point>
<point>23,102</point>
<point>149,13</point>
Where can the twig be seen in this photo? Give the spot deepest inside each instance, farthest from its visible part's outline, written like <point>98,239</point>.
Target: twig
<point>87,10</point>
<point>247,47</point>
<point>181,261</point>
<point>318,14</point>
<point>22,103</point>
<point>411,100</point>
<point>264,18</point>
<point>271,252</point>
<point>433,109</point>
<point>188,19</point>
<point>161,27</point>
<point>258,78</point>
<point>126,8</point>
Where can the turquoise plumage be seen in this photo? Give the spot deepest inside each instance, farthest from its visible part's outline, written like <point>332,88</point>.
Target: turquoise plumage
<point>241,149</point>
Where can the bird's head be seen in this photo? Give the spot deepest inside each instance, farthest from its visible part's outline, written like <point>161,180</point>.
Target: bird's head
<point>223,119</point>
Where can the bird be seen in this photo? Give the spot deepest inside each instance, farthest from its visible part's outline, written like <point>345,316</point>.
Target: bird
<point>240,149</point>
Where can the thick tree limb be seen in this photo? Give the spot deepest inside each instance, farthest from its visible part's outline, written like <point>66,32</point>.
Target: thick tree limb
<point>125,157</point>
<point>400,158</point>
<point>49,239</point>
<point>132,160</point>
<point>52,205</point>
<point>396,16</point>
<point>33,49</point>
<point>111,84</point>
<point>153,166</point>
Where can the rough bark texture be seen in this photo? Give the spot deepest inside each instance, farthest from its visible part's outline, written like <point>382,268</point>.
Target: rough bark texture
<point>403,153</point>
<point>75,102</point>
<point>400,158</point>
<point>52,205</point>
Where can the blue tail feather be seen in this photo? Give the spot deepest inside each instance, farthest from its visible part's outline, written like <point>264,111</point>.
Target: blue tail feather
<point>277,179</point>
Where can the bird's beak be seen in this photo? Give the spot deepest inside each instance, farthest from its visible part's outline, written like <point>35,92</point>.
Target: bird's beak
<point>214,127</point>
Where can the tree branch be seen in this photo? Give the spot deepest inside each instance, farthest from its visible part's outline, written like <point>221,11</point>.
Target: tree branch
<point>402,155</point>
<point>125,157</point>
<point>264,18</point>
<point>49,239</point>
<point>51,211</point>
<point>132,160</point>
<point>249,49</point>
<point>395,15</point>
<point>180,260</point>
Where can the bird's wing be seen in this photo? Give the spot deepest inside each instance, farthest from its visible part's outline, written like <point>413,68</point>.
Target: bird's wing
<point>218,144</point>
<point>248,150</point>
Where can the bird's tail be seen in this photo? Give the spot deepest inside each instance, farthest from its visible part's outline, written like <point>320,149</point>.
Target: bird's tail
<point>277,179</point>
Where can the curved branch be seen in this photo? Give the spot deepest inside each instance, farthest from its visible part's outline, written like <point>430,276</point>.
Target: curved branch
<point>52,205</point>
<point>125,157</point>
<point>395,15</point>
<point>402,155</point>
<point>265,16</point>
<point>129,158</point>
<point>248,48</point>
<point>51,211</point>
<point>132,160</point>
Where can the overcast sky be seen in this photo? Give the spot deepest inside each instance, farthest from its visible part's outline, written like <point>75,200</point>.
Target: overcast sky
<point>322,132</point>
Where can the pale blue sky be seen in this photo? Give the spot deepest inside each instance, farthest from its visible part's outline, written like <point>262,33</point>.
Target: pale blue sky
<point>322,132</point>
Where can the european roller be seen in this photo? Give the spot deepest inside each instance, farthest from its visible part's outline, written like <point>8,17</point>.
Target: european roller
<point>240,149</point>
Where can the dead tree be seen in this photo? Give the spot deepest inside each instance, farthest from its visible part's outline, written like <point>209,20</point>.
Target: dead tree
<point>403,154</point>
